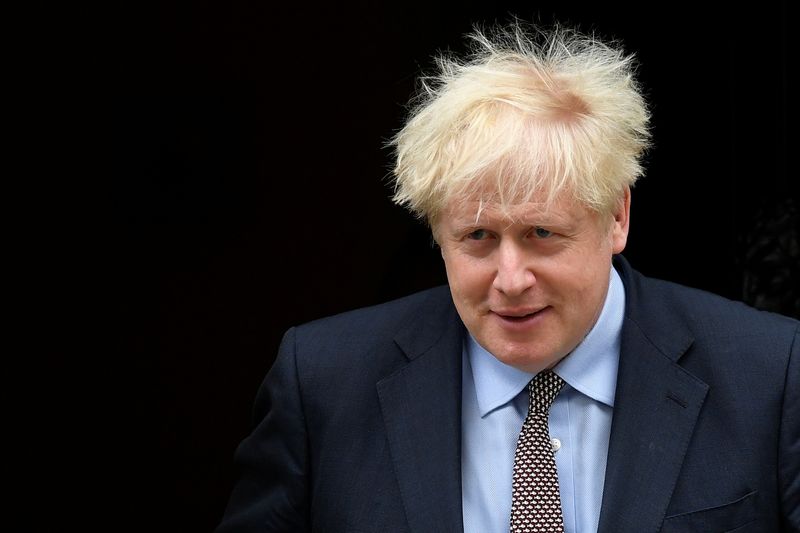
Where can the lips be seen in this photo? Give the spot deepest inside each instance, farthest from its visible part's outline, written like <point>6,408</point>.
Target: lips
<point>517,318</point>
<point>518,314</point>
<point>520,320</point>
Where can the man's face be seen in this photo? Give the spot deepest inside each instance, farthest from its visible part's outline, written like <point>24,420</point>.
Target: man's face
<point>529,287</point>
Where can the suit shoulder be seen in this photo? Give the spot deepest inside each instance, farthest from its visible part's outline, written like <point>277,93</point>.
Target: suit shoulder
<point>719,332</point>
<point>706,309</point>
<point>383,316</point>
<point>356,348</point>
<point>663,309</point>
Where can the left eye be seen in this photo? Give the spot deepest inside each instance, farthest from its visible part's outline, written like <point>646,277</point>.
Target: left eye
<point>542,233</point>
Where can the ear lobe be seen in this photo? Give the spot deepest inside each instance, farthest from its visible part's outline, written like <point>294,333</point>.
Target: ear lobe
<point>622,216</point>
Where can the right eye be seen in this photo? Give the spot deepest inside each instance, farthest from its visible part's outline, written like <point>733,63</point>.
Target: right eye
<point>478,235</point>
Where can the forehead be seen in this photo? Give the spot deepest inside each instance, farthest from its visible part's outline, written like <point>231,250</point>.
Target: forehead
<point>562,209</point>
<point>506,186</point>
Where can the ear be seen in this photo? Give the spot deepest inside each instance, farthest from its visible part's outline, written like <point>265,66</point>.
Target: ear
<point>622,217</point>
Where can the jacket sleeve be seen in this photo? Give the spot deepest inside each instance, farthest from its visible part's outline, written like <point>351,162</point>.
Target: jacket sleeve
<point>272,490</point>
<point>789,445</point>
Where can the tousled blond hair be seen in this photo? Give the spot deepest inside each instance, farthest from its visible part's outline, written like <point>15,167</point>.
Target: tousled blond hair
<point>527,115</point>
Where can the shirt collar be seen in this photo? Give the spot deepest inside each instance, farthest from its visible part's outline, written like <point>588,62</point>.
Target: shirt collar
<point>591,368</point>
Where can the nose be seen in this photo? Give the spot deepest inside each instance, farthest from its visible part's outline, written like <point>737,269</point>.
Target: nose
<point>514,275</point>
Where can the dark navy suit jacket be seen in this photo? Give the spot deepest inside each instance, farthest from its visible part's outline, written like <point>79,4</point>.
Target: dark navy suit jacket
<point>358,422</point>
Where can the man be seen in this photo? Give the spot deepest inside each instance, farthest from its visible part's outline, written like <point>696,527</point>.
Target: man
<point>672,409</point>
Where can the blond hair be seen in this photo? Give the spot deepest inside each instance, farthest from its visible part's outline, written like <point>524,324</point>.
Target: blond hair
<point>526,116</point>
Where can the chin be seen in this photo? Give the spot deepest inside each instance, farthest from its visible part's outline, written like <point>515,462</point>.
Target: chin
<point>526,360</point>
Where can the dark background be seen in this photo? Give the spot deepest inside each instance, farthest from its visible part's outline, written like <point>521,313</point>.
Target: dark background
<point>250,193</point>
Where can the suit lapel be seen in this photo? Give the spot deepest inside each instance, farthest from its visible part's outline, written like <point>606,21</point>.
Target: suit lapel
<point>656,407</point>
<point>421,407</point>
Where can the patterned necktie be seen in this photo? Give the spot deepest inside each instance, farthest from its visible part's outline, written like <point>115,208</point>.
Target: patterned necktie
<point>536,502</point>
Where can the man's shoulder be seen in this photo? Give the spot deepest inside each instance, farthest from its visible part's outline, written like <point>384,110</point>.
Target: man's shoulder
<point>701,305</point>
<point>389,315</point>
<point>658,301</point>
<point>707,331</point>
<point>366,344</point>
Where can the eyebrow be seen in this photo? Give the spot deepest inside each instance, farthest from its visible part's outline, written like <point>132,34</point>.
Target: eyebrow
<point>534,219</point>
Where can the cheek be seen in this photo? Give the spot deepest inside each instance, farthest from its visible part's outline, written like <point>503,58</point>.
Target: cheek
<point>590,286</point>
<point>584,278</point>
<point>468,279</point>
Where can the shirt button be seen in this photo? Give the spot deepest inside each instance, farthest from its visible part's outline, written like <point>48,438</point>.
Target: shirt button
<point>556,444</point>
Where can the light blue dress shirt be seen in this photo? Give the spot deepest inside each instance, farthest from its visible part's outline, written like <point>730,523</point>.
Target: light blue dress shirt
<point>495,403</point>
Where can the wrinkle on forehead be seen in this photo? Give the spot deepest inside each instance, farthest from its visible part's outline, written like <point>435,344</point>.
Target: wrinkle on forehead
<point>473,211</point>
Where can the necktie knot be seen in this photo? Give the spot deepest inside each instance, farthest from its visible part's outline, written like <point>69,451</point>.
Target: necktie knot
<point>542,390</point>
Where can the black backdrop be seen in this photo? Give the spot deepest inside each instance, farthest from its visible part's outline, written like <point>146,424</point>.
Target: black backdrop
<point>251,190</point>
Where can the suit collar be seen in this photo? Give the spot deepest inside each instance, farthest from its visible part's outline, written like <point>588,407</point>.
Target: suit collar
<point>656,408</point>
<point>646,310</point>
<point>427,326</point>
<point>421,407</point>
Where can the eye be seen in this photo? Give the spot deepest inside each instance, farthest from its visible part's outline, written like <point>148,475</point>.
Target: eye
<point>542,233</point>
<point>478,235</point>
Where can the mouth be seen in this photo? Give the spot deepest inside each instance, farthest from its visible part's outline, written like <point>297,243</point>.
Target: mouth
<point>521,316</point>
